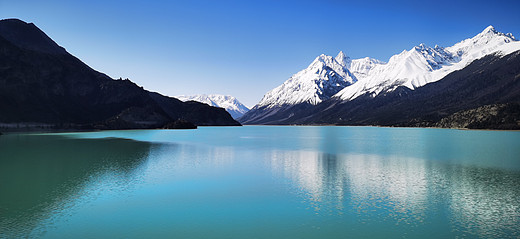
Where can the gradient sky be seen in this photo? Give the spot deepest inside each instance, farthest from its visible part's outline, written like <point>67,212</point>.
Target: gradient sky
<point>246,48</point>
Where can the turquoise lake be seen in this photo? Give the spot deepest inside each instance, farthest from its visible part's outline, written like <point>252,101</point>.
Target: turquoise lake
<point>261,182</point>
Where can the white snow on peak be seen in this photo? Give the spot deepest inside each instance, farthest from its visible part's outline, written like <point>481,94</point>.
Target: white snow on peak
<point>362,67</point>
<point>343,59</point>
<point>422,64</point>
<point>323,78</point>
<point>229,103</point>
<point>359,67</point>
<point>486,42</point>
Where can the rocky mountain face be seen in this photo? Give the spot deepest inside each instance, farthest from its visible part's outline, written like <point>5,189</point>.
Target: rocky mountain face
<point>42,84</point>
<point>229,103</point>
<point>378,93</point>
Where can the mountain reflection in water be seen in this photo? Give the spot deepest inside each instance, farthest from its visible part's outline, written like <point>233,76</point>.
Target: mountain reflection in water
<point>42,175</point>
<point>261,181</point>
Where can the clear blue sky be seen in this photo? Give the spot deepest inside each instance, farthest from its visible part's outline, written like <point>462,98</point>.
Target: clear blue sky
<point>245,48</point>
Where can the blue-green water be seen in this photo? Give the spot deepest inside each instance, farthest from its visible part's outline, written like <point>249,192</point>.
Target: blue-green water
<point>261,182</point>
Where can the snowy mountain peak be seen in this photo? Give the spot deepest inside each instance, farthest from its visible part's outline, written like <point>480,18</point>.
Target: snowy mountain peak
<point>434,57</point>
<point>322,60</point>
<point>323,78</point>
<point>362,67</point>
<point>491,33</point>
<point>229,103</point>
<point>488,41</point>
<point>421,46</point>
<point>341,55</point>
<point>343,59</point>
<point>490,28</point>
<point>422,64</point>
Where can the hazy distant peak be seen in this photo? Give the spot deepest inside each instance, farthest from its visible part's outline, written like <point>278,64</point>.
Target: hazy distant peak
<point>235,108</point>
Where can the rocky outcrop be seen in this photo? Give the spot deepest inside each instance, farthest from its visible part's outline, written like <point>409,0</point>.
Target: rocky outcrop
<point>180,124</point>
<point>497,116</point>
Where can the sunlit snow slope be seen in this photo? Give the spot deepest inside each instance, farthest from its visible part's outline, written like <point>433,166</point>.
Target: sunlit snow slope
<point>423,64</point>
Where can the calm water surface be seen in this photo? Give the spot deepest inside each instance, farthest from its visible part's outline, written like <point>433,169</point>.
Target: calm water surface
<point>261,182</point>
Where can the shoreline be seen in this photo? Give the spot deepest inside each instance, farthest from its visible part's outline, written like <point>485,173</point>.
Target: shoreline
<point>381,126</point>
<point>5,130</point>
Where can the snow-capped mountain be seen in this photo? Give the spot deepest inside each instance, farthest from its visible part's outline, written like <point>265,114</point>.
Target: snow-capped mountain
<point>423,64</point>
<point>483,95</point>
<point>412,69</point>
<point>229,103</point>
<point>323,78</point>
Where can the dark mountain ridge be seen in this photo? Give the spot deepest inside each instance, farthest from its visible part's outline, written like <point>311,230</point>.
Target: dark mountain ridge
<point>41,83</point>
<point>28,36</point>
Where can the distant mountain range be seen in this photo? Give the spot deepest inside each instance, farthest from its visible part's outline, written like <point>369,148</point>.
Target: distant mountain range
<point>425,86</point>
<point>472,84</point>
<point>229,103</point>
<point>42,85</point>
